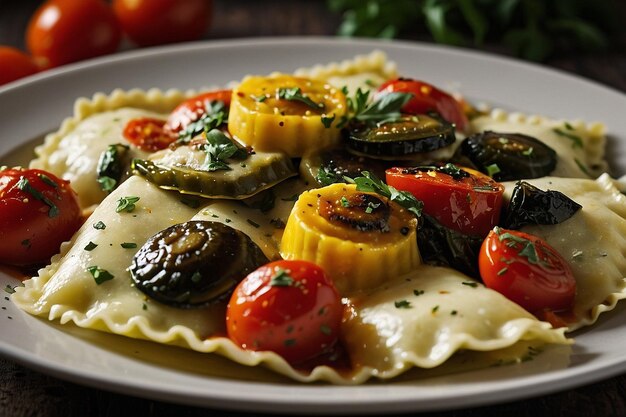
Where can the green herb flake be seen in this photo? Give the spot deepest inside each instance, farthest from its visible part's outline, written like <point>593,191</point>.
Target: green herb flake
<point>418,292</point>
<point>107,184</point>
<point>577,141</point>
<point>582,167</point>
<point>26,242</point>
<point>90,246</point>
<point>453,313</point>
<point>470,284</point>
<point>128,245</point>
<point>370,183</point>
<point>219,148</point>
<point>253,223</point>
<point>492,169</point>
<point>126,204</point>
<point>281,278</point>
<point>47,180</point>
<point>100,275</point>
<point>9,289</point>
<point>528,152</point>
<point>328,121</point>
<point>144,306</point>
<point>325,329</point>
<point>24,185</point>
<point>289,342</point>
<point>402,304</point>
<point>295,94</point>
<point>325,177</point>
<point>99,225</point>
<point>215,115</point>
<point>434,309</point>
<point>371,206</point>
<point>345,202</point>
<point>502,271</point>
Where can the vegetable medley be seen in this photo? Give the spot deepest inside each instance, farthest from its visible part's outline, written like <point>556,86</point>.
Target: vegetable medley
<point>301,219</point>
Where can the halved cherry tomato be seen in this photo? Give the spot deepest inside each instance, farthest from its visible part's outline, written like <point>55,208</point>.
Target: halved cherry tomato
<point>14,64</point>
<point>288,307</point>
<point>459,198</point>
<point>426,98</point>
<point>64,31</point>
<point>38,211</point>
<point>192,109</point>
<point>526,270</point>
<point>147,134</point>
<point>154,22</point>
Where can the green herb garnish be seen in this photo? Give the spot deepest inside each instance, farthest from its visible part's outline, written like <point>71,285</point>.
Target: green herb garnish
<point>492,169</point>
<point>219,148</point>
<point>402,304</point>
<point>126,204</point>
<point>281,278</point>
<point>577,141</point>
<point>90,246</point>
<point>216,114</point>
<point>368,182</point>
<point>107,183</point>
<point>325,177</point>
<point>24,185</point>
<point>328,121</point>
<point>128,245</point>
<point>100,275</point>
<point>99,225</point>
<point>295,94</point>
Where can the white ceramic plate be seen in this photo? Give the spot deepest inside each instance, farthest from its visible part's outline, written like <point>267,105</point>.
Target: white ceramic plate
<point>38,105</point>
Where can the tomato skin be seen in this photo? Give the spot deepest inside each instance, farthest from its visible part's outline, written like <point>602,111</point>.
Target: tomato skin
<point>548,284</point>
<point>64,31</point>
<point>298,321</point>
<point>426,98</point>
<point>30,233</point>
<point>14,64</point>
<point>193,108</point>
<point>470,205</point>
<point>147,134</point>
<point>154,22</point>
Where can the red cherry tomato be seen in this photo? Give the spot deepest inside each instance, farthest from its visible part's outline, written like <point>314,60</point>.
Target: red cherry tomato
<point>461,199</point>
<point>427,98</point>
<point>147,134</point>
<point>64,31</point>
<point>192,109</point>
<point>154,22</point>
<point>288,307</point>
<point>38,211</point>
<point>526,270</point>
<point>14,64</point>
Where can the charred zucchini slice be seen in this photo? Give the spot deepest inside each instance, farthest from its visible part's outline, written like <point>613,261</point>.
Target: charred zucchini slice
<point>183,170</point>
<point>509,156</point>
<point>194,264</point>
<point>409,135</point>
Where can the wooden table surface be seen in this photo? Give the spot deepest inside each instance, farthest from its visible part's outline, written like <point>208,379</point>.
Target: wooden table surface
<point>24,392</point>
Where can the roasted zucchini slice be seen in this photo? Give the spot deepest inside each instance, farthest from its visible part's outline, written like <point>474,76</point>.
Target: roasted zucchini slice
<point>412,134</point>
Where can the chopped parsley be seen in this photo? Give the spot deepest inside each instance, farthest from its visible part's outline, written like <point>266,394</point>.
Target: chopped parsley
<point>325,177</point>
<point>470,284</point>
<point>402,304</point>
<point>577,141</point>
<point>418,292</point>
<point>328,121</point>
<point>492,169</point>
<point>100,275</point>
<point>128,245</point>
<point>370,183</point>
<point>295,94</point>
<point>281,278</point>
<point>9,289</point>
<point>371,206</point>
<point>99,225</point>
<point>253,223</point>
<point>434,309</point>
<point>90,246</point>
<point>218,149</point>
<point>107,183</point>
<point>385,109</point>
<point>216,114</point>
<point>345,202</point>
<point>24,185</point>
<point>582,167</point>
<point>126,204</point>
<point>46,179</point>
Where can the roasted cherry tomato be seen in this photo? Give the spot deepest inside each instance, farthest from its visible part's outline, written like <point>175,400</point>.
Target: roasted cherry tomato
<point>461,199</point>
<point>147,134</point>
<point>38,211</point>
<point>192,109</point>
<point>288,307</point>
<point>427,98</point>
<point>64,31</point>
<point>154,22</point>
<point>14,64</point>
<point>526,270</point>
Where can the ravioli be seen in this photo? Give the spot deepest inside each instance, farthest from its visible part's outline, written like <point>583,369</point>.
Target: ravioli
<point>579,146</point>
<point>73,151</point>
<point>593,241</point>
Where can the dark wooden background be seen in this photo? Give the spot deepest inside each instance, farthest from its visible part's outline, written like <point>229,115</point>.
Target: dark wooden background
<point>24,392</point>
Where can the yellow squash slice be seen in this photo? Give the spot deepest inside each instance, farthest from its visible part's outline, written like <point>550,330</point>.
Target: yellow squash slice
<point>286,113</point>
<point>362,240</point>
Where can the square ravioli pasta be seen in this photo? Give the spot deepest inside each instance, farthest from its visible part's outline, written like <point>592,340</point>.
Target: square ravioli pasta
<point>420,318</point>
